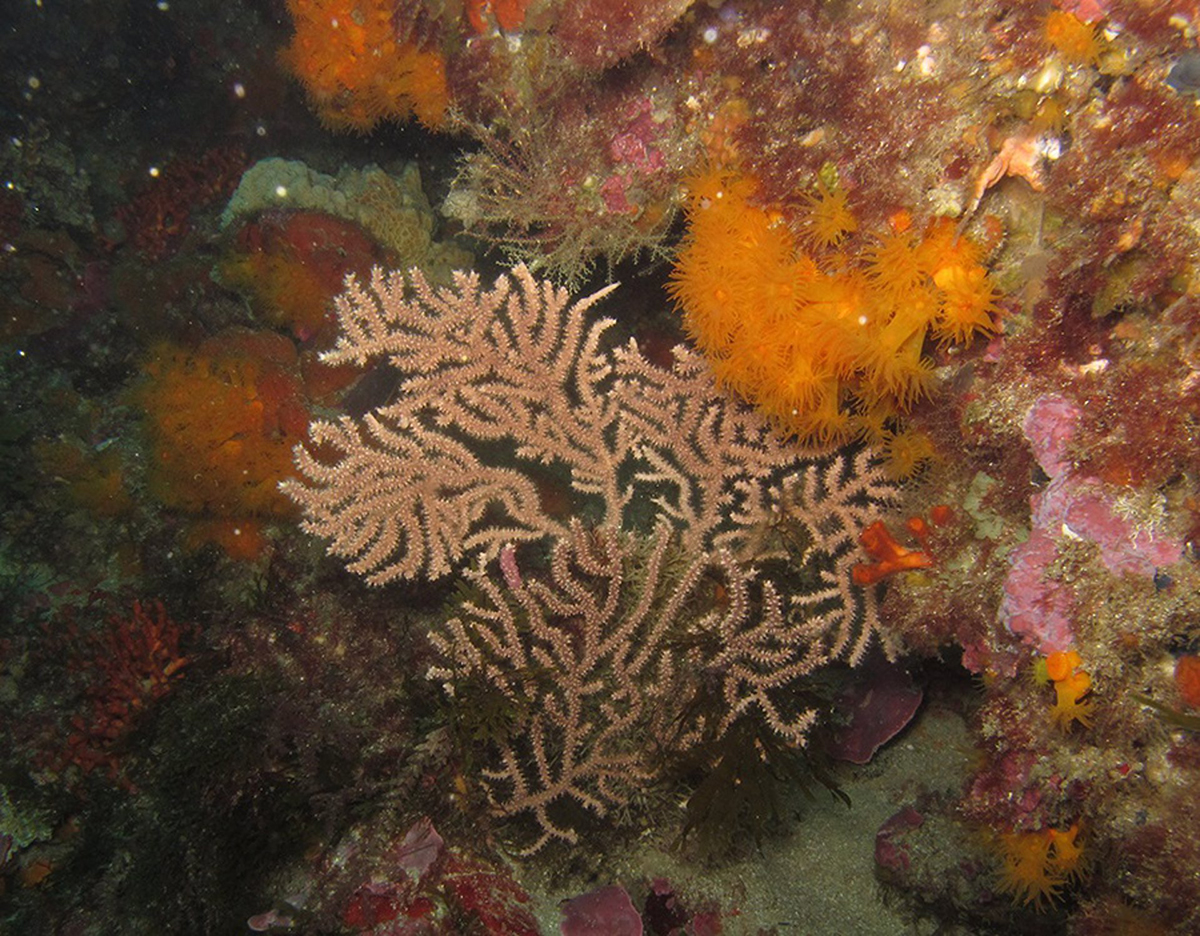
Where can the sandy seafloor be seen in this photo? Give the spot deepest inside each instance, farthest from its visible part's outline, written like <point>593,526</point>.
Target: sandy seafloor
<point>819,876</point>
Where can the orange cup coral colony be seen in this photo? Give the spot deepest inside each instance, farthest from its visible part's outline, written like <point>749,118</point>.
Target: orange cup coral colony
<point>1038,864</point>
<point>828,343</point>
<point>346,54</point>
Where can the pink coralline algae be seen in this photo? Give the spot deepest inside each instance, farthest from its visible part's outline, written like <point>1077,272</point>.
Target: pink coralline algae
<point>1090,11</point>
<point>612,192</point>
<point>634,144</point>
<point>422,846</point>
<point>1035,607</point>
<point>1049,426</point>
<point>1002,793</point>
<point>604,912</point>
<point>634,152</point>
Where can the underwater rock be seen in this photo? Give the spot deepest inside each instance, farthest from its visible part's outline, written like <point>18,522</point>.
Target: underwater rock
<point>1184,76</point>
<point>607,911</point>
<point>880,703</point>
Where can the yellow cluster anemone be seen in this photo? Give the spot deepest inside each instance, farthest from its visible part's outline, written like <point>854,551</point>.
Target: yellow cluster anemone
<point>1038,864</point>
<point>829,342</point>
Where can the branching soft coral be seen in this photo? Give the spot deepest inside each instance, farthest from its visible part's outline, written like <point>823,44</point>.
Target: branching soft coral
<point>830,346</point>
<point>356,73</point>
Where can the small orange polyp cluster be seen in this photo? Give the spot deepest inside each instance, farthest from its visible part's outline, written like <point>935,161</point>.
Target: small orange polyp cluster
<point>356,74</point>
<point>830,219</point>
<point>1072,37</point>
<point>829,345</point>
<point>1071,684</point>
<point>905,452</point>
<point>1037,865</point>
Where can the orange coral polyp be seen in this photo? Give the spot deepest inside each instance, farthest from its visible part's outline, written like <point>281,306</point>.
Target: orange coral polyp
<point>1072,37</point>
<point>799,388</point>
<point>769,316</point>
<point>968,301</point>
<point>826,422</point>
<point>830,218</point>
<point>1061,664</point>
<point>894,265</point>
<point>1071,684</point>
<point>1068,854</point>
<point>1027,873</point>
<point>904,454</point>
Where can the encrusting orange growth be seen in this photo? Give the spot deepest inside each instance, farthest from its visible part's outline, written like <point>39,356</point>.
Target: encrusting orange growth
<point>1071,684</point>
<point>356,73</point>
<point>889,556</point>
<point>507,15</point>
<point>223,421</point>
<point>293,264</point>
<point>1037,865</point>
<point>829,345</point>
<point>93,479</point>
<point>1187,680</point>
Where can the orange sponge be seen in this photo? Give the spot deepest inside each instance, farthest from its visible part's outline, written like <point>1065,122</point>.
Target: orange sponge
<point>222,422</point>
<point>1187,679</point>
